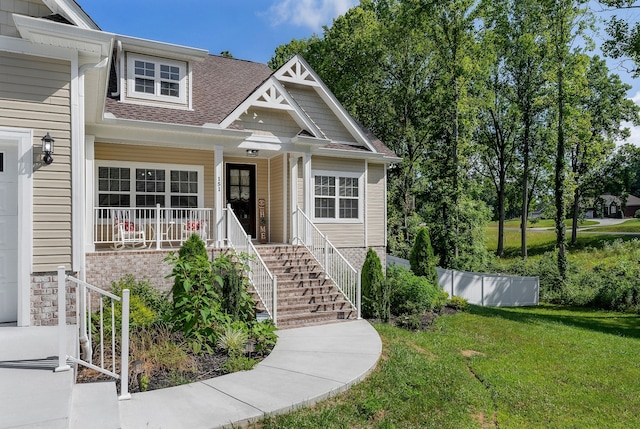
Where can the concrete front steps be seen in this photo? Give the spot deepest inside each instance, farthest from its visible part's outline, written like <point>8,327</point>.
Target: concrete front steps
<point>306,296</point>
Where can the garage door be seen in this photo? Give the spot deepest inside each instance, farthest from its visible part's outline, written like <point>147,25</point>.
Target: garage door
<point>8,232</point>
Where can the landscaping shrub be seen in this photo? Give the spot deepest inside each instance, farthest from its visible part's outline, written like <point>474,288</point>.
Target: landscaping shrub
<point>411,294</point>
<point>458,303</point>
<point>237,302</point>
<point>147,306</point>
<point>197,309</point>
<point>264,335</point>
<point>233,339</point>
<point>611,286</point>
<point>421,258</point>
<point>375,291</point>
<point>637,214</point>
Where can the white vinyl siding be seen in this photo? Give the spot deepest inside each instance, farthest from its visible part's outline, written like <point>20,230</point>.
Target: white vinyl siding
<point>35,8</point>
<point>35,94</point>
<point>376,205</point>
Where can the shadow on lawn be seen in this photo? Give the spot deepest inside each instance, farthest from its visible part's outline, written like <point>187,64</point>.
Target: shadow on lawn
<point>620,324</point>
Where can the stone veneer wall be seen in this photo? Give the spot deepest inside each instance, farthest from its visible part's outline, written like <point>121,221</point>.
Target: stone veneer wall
<point>357,255</point>
<point>44,300</point>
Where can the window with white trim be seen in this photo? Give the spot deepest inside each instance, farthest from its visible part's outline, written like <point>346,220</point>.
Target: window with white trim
<point>154,78</point>
<point>336,196</point>
<point>125,184</point>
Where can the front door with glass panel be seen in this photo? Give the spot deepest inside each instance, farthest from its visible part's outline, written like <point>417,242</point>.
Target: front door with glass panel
<point>241,195</point>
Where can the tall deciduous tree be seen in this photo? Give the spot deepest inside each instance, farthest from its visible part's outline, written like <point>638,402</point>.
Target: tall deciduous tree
<point>564,18</point>
<point>602,107</point>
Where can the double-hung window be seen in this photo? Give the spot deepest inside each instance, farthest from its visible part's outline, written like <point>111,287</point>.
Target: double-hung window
<point>155,78</point>
<point>337,196</point>
<point>128,184</point>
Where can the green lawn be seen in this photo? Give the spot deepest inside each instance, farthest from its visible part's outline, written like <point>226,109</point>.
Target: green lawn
<point>539,242</point>
<point>544,367</point>
<point>542,223</point>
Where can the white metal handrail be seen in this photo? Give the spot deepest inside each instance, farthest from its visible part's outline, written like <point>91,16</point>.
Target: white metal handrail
<point>336,266</point>
<point>262,279</point>
<point>142,227</point>
<point>84,311</point>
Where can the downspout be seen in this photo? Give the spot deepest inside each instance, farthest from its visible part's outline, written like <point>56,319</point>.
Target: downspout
<point>78,192</point>
<point>117,68</point>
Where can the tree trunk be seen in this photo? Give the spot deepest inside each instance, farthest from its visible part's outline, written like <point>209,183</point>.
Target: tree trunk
<point>559,178</point>
<point>576,214</point>
<point>525,189</point>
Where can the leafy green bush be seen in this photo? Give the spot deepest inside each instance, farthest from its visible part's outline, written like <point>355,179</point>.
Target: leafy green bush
<point>637,214</point>
<point>375,291</point>
<point>197,309</point>
<point>239,363</point>
<point>411,294</point>
<point>458,303</point>
<point>264,335</point>
<point>421,258</point>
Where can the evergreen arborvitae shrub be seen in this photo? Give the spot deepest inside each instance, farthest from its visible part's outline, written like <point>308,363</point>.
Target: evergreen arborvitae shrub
<point>193,248</point>
<point>375,293</point>
<point>421,258</point>
<point>232,288</point>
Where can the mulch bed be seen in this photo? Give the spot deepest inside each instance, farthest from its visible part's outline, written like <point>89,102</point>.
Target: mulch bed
<point>207,366</point>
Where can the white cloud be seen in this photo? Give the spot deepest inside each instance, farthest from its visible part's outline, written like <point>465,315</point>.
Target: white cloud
<point>312,14</point>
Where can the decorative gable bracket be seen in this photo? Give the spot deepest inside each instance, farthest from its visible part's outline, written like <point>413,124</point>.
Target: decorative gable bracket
<point>272,95</point>
<point>297,72</point>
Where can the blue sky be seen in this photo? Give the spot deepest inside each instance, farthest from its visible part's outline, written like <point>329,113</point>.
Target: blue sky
<point>252,29</point>
<point>249,29</point>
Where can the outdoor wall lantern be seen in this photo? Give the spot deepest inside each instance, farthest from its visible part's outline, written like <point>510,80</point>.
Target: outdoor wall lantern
<point>47,148</point>
<point>252,152</point>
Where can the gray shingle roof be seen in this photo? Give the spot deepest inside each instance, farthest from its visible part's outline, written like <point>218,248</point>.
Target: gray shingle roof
<point>220,85</point>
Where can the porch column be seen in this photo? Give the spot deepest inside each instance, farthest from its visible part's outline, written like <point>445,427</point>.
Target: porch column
<point>308,186</point>
<point>218,202</point>
<point>293,199</point>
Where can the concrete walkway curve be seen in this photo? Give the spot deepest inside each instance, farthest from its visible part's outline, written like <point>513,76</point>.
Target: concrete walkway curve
<point>307,365</point>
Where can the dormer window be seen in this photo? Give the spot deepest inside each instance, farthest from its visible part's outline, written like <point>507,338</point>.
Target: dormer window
<point>159,79</point>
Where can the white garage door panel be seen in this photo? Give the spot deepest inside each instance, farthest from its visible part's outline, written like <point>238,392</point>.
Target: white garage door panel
<point>8,198</point>
<point>8,263</point>
<point>8,233</point>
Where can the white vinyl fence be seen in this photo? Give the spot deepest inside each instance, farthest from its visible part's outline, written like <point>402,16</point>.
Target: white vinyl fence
<point>490,290</point>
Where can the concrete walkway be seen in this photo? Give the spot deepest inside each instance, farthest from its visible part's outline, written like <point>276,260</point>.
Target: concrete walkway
<point>31,394</point>
<point>306,366</point>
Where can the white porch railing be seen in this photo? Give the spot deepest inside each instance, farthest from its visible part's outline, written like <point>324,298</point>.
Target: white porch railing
<point>262,279</point>
<point>150,227</point>
<point>85,301</point>
<point>336,266</point>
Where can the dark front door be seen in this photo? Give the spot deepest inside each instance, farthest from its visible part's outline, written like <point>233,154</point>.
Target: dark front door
<point>241,195</point>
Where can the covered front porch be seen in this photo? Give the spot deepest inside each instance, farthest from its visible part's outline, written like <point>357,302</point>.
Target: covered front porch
<point>132,203</point>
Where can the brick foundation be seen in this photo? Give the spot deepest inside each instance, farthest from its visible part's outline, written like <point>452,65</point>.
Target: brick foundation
<point>104,268</point>
<point>357,255</point>
<point>44,300</point>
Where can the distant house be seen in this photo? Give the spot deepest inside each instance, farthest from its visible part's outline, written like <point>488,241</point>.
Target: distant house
<point>153,142</point>
<point>611,206</point>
